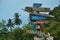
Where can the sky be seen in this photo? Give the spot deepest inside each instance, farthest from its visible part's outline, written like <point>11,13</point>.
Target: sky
<point>9,7</point>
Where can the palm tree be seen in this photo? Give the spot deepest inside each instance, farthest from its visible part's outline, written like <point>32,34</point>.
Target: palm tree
<point>3,29</point>
<point>3,26</point>
<point>10,24</point>
<point>17,20</point>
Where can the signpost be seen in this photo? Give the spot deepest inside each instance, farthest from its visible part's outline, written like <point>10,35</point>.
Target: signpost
<point>37,18</point>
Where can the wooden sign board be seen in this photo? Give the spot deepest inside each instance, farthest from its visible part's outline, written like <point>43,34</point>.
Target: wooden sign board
<point>28,9</point>
<point>31,9</point>
<point>30,31</point>
<point>42,9</point>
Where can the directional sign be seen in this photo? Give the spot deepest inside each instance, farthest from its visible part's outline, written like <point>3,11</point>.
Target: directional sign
<point>28,9</point>
<point>28,31</point>
<point>42,22</point>
<point>37,5</point>
<point>33,26</point>
<point>37,17</point>
<point>42,9</point>
<point>40,27</point>
<point>37,9</point>
<point>33,31</point>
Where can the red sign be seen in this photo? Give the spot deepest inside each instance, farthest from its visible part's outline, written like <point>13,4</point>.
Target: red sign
<point>41,27</point>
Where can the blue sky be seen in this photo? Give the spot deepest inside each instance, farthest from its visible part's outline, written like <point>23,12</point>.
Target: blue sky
<point>9,7</point>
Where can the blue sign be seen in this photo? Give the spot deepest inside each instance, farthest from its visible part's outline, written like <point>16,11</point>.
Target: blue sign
<point>37,17</point>
<point>37,5</point>
<point>33,31</point>
<point>33,26</point>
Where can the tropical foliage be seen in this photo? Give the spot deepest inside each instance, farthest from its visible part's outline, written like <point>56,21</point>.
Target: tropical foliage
<point>21,34</point>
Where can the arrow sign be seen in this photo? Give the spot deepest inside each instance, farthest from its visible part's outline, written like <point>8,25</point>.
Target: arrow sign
<point>37,17</point>
<point>42,9</point>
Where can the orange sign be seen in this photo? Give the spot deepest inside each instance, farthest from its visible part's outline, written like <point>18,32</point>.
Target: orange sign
<point>41,22</point>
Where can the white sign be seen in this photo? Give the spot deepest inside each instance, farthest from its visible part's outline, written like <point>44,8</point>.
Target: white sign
<point>37,38</point>
<point>49,37</point>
